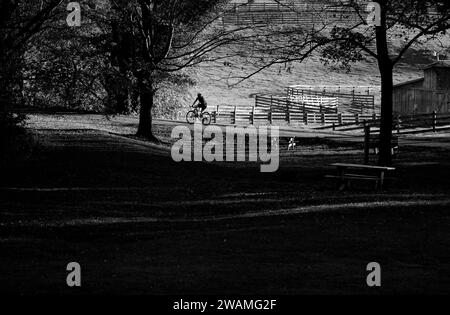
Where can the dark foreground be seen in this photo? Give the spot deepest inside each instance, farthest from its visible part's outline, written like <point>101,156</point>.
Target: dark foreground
<point>139,223</point>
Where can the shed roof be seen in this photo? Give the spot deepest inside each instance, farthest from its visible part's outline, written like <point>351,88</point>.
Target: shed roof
<point>409,82</point>
<point>438,64</point>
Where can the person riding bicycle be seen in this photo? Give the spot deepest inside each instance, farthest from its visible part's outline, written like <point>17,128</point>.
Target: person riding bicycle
<point>201,103</point>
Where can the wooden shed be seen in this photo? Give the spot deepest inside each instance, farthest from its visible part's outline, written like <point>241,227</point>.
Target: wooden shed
<point>427,94</point>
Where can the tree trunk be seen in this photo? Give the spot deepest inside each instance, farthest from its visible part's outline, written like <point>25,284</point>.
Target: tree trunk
<point>387,89</point>
<point>385,66</point>
<point>146,93</point>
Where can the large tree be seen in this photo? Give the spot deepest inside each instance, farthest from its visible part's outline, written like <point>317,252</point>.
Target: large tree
<point>167,37</point>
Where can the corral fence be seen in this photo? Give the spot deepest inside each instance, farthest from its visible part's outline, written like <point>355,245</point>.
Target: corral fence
<point>302,104</point>
<point>305,14</point>
<point>279,115</point>
<point>352,99</point>
<point>422,123</point>
<point>305,19</point>
<point>402,124</point>
<point>274,6</point>
<point>346,89</point>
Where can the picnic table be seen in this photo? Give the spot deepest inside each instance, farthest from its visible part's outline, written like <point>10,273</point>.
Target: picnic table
<point>349,172</point>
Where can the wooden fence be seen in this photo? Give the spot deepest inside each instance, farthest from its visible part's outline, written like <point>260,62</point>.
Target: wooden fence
<point>272,6</point>
<point>354,102</point>
<point>402,124</point>
<point>303,104</point>
<point>422,123</point>
<point>345,89</point>
<point>307,19</point>
<point>305,14</point>
<point>252,115</point>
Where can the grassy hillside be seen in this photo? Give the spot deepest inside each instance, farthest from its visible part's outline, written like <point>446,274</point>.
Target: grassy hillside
<point>215,83</point>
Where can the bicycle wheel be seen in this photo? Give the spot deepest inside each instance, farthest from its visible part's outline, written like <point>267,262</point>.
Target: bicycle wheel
<point>190,117</point>
<point>206,118</point>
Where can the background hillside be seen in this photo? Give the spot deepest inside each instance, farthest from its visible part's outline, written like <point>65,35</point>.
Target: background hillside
<point>216,83</point>
<point>215,79</point>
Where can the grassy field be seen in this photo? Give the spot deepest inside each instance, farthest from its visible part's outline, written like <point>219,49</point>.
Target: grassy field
<point>214,84</point>
<point>138,222</point>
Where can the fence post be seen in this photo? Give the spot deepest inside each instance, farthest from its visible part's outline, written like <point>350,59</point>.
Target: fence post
<point>366,143</point>
<point>398,124</point>
<point>253,115</point>
<point>334,127</point>
<point>305,118</point>
<point>340,118</point>
<point>288,113</point>
<point>323,118</point>
<point>217,114</point>
<point>270,110</point>
<point>434,120</point>
<point>235,110</point>
<point>357,118</point>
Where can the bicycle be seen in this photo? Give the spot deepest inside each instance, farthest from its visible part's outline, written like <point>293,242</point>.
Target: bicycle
<point>193,114</point>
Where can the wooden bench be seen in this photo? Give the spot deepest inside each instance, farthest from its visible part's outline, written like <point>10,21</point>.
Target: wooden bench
<point>349,172</point>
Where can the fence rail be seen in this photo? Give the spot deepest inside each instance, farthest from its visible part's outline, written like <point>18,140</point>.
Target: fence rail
<point>278,7</point>
<point>304,105</point>
<point>346,89</point>
<point>401,125</point>
<point>304,18</point>
<point>355,102</point>
<point>253,115</point>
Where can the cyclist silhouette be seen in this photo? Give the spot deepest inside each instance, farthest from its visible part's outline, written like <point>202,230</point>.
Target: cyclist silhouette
<point>201,103</point>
